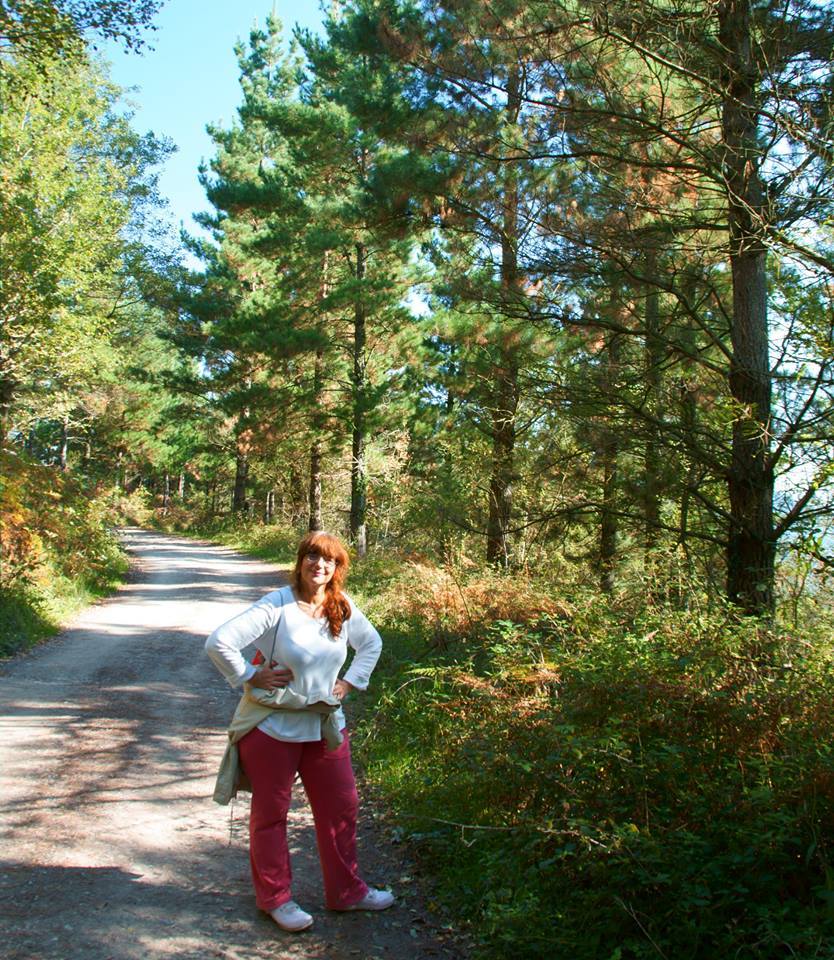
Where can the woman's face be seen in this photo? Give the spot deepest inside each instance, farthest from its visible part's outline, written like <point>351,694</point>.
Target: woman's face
<point>316,571</point>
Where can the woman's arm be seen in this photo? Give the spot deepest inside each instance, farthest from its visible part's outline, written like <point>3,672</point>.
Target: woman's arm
<point>365,640</point>
<point>225,643</point>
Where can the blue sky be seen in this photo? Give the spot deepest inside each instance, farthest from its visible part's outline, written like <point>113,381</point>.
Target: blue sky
<point>190,78</point>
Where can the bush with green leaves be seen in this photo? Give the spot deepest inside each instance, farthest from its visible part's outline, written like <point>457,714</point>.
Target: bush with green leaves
<point>58,550</point>
<point>616,780</point>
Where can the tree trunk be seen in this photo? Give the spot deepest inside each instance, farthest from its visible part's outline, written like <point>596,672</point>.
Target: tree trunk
<point>689,423</point>
<point>358,468</point>
<point>653,360</point>
<point>62,461</point>
<point>269,509</point>
<point>506,393</point>
<point>687,394</point>
<point>181,486</point>
<point>7,393</point>
<point>504,409</point>
<point>609,449</point>
<point>315,521</point>
<point>166,493</point>
<point>298,494</point>
<point>751,547</point>
<point>241,481</point>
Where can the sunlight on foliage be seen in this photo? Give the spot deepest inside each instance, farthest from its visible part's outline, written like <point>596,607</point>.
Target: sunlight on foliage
<point>592,782</point>
<point>58,552</point>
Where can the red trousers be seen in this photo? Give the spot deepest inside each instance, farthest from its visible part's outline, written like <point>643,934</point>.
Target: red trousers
<point>328,780</point>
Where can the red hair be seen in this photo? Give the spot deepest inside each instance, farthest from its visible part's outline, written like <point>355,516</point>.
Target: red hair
<point>336,607</point>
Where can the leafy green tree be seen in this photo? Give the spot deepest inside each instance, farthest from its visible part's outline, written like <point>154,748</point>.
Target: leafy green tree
<point>248,309</point>
<point>314,264</point>
<point>745,73</point>
<point>39,31</point>
<point>371,232</point>
<point>691,117</point>
<point>73,175</point>
<point>458,96</point>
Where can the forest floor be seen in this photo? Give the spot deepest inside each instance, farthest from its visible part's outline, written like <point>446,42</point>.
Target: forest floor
<point>111,844</point>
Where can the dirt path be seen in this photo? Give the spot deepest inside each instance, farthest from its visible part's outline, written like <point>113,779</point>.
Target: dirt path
<point>111,734</point>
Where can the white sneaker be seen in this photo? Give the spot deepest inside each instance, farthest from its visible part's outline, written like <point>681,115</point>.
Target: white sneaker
<point>289,916</point>
<point>373,900</point>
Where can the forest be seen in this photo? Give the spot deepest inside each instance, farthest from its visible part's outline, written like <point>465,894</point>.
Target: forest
<point>532,303</point>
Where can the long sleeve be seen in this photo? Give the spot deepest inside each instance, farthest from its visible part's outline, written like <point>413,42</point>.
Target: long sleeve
<point>365,640</point>
<point>225,643</point>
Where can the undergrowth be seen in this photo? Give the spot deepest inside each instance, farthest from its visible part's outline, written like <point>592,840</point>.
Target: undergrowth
<point>267,542</point>
<point>58,551</point>
<point>584,777</point>
<point>598,778</point>
<point>606,779</point>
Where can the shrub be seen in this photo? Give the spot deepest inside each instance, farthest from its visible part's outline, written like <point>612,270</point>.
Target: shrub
<point>23,618</point>
<point>57,549</point>
<point>608,779</point>
<point>128,509</point>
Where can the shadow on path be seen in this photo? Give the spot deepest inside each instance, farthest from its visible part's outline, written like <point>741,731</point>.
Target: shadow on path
<point>110,737</point>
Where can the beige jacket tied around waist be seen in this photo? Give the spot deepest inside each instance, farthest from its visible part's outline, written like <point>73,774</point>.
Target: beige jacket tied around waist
<point>254,707</point>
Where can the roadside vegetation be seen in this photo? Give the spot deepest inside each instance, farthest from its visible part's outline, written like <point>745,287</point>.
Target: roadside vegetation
<point>533,305</point>
<point>59,552</point>
<point>605,777</point>
<point>637,775</point>
<point>648,771</point>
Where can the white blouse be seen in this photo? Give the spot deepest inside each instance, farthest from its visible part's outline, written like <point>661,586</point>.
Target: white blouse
<point>305,645</point>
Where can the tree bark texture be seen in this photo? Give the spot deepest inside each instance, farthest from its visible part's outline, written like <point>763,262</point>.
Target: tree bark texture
<point>504,409</point>
<point>358,467</point>
<point>296,503</point>
<point>241,481</point>
<point>688,412</point>
<point>315,520</point>
<point>62,456</point>
<point>8,389</point>
<point>506,392</point>
<point>751,547</point>
<point>653,361</point>
<point>609,450</point>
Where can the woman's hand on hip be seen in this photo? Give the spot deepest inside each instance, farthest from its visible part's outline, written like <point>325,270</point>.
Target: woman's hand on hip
<point>342,688</point>
<point>268,679</point>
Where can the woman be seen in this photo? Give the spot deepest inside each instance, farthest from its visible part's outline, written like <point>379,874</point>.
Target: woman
<point>303,632</point>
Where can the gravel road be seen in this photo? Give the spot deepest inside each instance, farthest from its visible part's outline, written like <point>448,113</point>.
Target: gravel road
<point>111,845</point>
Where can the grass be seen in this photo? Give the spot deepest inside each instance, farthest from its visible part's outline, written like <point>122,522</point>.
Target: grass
<point>30,614</point>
